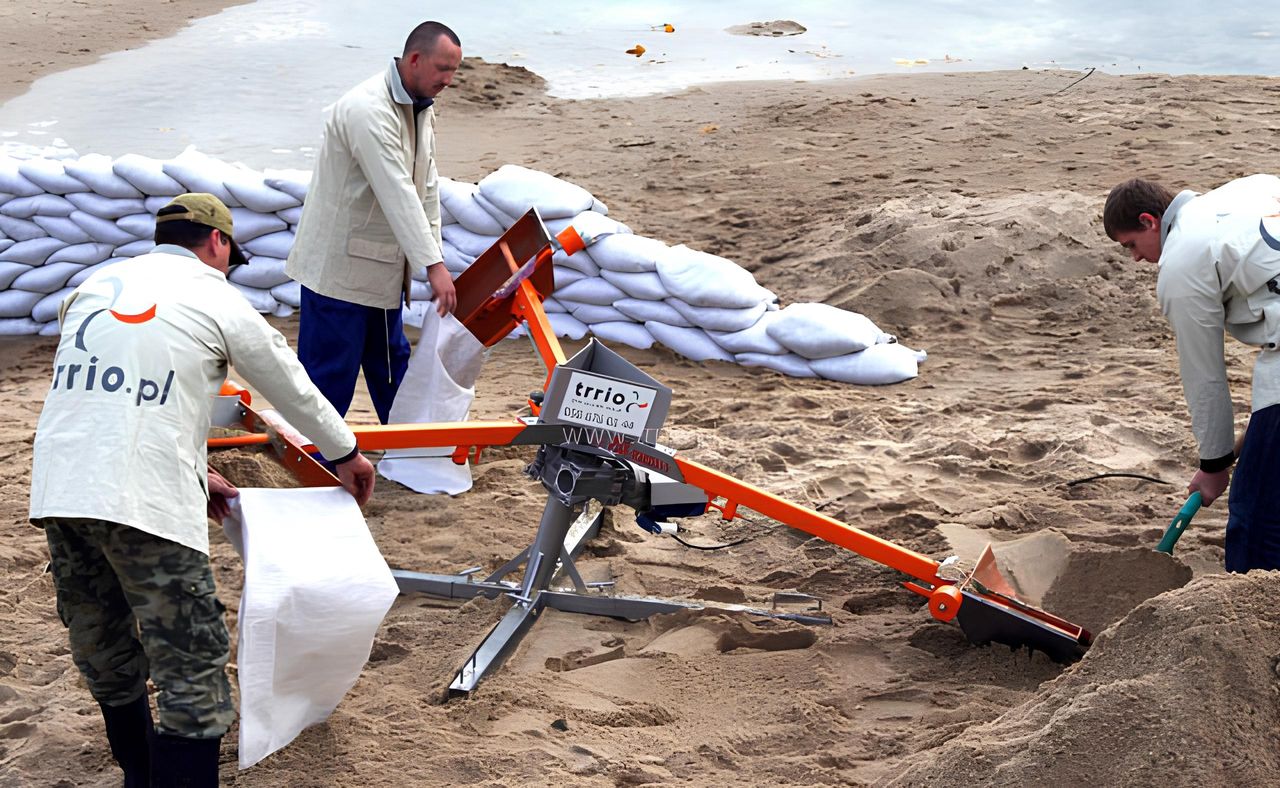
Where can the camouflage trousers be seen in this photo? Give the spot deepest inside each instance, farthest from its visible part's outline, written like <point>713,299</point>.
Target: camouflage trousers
<point>138,606</point>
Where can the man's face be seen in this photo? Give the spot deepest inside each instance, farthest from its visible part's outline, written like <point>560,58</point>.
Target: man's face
<point>430,74</point>
<point>1142,244</point>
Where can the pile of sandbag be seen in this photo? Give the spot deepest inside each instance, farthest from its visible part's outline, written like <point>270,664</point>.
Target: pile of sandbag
<point>61,220</point>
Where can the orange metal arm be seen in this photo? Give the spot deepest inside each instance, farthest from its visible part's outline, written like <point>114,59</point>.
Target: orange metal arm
<point>380,437</point>
<point>737,492</point>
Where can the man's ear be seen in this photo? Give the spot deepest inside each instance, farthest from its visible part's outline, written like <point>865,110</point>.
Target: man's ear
<point>1148,221</point>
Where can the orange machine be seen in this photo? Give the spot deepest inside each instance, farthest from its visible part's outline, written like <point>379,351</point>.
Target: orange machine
<point>596,423</point>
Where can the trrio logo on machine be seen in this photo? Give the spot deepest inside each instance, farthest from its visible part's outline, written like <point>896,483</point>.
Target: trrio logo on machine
<point>616,405</point>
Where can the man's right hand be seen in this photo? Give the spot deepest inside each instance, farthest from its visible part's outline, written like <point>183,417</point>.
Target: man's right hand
<point>1209,485</point>
<point>356,475</point>
<point>442,286</point>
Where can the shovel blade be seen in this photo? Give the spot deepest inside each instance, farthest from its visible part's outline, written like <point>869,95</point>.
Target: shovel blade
<point>984,620</point>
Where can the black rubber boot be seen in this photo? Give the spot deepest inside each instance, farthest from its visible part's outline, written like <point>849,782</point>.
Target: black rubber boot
<point>180,762</point>
<point>129,731</point>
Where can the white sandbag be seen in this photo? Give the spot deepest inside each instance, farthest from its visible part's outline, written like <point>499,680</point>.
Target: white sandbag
<point>140,225</point>
<point>456,262</point>
<point>692,343</point>
<point>260,300</point>
<point>78,278</point>
<point>50,329</point>
<point>549,305</point>
<point>753,339</point>
<point>702,279</point>
<point>282,310</point>
<point>599,207</point>
<point>823,331</point>
<point>275,244</point>
<point>643,311</point>
<point>146,175</point>
<point>626,253</point>
<point>786,363</point>
<point>315,592</point>
<point>5,243</point>
<point>47,278</point>
<point>18,326</point>
<point>445,216</point>
<point>200,173</point>
<point>65,229</point>
<point>592,290</point>
<point>515,189</point>
<point>580,262</point>
<point>289,293</point>
<point>249,190</point>
<point>154,204</point>
<point>248,224</point>
<point>46,309</point>
<point>50,176</point>
<point>420,274</point>
<point>718,319</point>
<point>98,173</point>
<point>465,241</point>
<point>459,199</point>
<point>595,313</point>
<point>647,286</point>
<point>33,252</point>
<point>876,366</point>
<point>292,182</point>
<point>135,248</point>
<point>567,326</point>
<point>438,386</point>
<point>262,273</point>
<point>627,333</point>
<point>43,204</point>
<point>11,271</point>
<point>21,229</point>
<point>420,291</point>
<point>18,303</point>
<point>497,213</point>
<point>13,182</point>
<point>105,207</point>
<point>291,215</point>
<point>101,230</point>
<point>592,227</point>
<point>83,254</point>
<point>566,276</point>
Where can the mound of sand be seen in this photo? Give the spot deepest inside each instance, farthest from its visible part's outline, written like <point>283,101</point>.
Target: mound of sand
<point>1182,691</point>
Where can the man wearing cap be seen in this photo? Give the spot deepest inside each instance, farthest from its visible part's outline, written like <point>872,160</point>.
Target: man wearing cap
<point>371,220</point>
<point>119,483</point>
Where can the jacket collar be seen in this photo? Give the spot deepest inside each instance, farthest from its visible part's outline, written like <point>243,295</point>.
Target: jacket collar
<point>399,93</point>
<point>1171,213</point>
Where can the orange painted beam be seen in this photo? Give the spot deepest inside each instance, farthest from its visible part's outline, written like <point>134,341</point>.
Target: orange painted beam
<point>380,437</point>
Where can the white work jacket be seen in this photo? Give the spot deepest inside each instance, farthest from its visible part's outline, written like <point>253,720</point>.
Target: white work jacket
<point>1220,271</point>
<point>372,214</point>
<point>145,347</point>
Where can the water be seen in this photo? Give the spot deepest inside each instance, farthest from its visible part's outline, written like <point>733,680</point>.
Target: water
<point>250,83</point>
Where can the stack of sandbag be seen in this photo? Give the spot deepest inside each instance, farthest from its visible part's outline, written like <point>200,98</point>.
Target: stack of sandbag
<point>61,220</point>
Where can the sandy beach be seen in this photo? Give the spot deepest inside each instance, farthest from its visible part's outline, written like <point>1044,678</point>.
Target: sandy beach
<point>961,212</point>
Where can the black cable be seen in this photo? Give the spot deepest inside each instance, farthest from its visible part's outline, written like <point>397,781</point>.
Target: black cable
<point>1078,81</point>
<point>711,546</point>
<point>1118,475</point>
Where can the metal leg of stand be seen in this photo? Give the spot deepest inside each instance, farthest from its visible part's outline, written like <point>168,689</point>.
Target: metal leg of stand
<point>497,645</point>
<point>637,608</point>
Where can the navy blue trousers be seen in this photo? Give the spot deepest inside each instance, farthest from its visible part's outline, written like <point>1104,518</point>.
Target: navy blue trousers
<point>1253,522</point>
<point>336,339</point>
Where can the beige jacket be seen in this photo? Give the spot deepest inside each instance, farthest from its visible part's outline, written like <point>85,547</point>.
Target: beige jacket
<point>372,214</point>
<point>145,347</point>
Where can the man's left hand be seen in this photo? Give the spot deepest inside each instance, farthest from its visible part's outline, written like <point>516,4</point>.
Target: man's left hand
<point>1209,485</point>
<point>442,286</point>
<point>219,491</point>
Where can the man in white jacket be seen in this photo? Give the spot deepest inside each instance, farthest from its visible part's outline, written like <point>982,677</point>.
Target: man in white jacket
<point>1219,257</point>
<point>372,220</point>
<point>118,482</point>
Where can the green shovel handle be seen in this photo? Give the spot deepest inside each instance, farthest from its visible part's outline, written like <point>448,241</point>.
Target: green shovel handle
<point>1180,522</point>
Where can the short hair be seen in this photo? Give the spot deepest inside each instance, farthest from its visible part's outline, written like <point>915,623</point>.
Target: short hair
<point>1130,200</point>
<point>180,232</point>
<point>424,37</point>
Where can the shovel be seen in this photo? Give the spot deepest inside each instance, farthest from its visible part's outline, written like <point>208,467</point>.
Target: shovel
<point>1180,522</point>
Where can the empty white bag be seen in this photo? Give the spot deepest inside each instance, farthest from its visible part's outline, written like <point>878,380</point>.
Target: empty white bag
<point>315,592</point>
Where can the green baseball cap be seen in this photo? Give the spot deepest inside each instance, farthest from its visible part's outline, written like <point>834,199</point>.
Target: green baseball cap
<point>205,209</point>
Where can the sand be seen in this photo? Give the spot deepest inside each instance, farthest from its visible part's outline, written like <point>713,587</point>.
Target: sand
<point>960,212</point>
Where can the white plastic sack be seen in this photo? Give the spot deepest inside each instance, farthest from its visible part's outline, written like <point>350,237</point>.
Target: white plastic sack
<point>515,189</point>
<point>643,311</point>
<point>315,592</point>
<point>786,363</point>
<point>47,278</point>
<point>84,273</point>
<point>249,190</point>
<point>567,326</point>
<point>594,313</point>
<point>33,252</point>
<point>580,262</point>
<point>261,300</point>
<point>593,290</point>
<point>139,225</point>
<point>18,326</point>
<point>50,329</point>
<point>702,279</point>
<point>275,244</point>
<point>291,215</point>
<point>43,204</point>
<point>823,331</point>
<point>146,175</point>
<point>289,293</point>
<point>592,227</point>
<point>438,386</point>
<point>692,343</point>
<point>627,253</point>
<point>497,213</point>
<point>18,303</point>
<point>135,248</point>
<point>263,273</point>
<point>101,230</point>
<point>248,224</point>
<point>154,204</point>
<point>647,286</point>
<point>105,207</point>
<point>566,276</point>
<point>50,176</point>
<point>716,318</point>
<point>13,182</point>
<point>468,243</point>
<point>198,172</point>
<point>292,182</point>
<point>84,254</point>
<point>21,229</point>
<point>630,334</point>
<point>458,198</point>
<point>66,230</point>
<point>98,173</point>
<point>11,271</point>
<point>753,339</point>
<point>876,366</point>
<point>454,261</point>
<point>46,309</point>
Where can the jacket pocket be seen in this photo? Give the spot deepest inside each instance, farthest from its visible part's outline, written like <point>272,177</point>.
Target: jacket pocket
<point>373,266</point>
